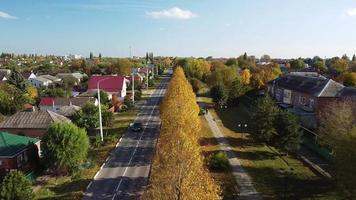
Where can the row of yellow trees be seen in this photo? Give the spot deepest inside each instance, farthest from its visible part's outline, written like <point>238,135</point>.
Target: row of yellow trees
<point>178,171</point>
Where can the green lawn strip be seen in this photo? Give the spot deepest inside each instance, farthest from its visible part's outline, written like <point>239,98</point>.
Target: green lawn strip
<point>73,187</point>
<point>264,163</point>
<point>209,146</point>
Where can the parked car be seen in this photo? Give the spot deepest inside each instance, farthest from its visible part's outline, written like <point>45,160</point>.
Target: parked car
<point>136,127</point>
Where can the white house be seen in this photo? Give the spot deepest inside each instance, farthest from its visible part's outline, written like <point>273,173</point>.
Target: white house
<point>39,82</point>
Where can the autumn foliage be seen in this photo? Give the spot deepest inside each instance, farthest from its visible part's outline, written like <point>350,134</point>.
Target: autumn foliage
<point>178,170</point>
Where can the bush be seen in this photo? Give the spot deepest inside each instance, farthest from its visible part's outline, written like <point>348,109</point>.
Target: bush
<point>16,186</point>
<point>128,102</point>
<point>219,162</point>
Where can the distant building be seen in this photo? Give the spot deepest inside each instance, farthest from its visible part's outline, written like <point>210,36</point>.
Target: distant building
<point>31,124</point>
<point>15,153</point>
<point>76,76</point>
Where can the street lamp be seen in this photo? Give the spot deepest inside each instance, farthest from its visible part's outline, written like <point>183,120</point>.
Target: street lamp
<point>242,127</point>
<point>100,117</point>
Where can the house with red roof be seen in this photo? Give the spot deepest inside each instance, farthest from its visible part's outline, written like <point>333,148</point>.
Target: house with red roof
<point>111,84</point>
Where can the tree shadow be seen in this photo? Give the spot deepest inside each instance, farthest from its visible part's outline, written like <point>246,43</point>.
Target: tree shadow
<point>273,184</point>
<point>256,155</point>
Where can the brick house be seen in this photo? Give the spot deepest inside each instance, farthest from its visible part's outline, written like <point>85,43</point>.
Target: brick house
<point>16,152</point>
<point>306,94</point>
<point>31,124</point>
<point>309,93</point>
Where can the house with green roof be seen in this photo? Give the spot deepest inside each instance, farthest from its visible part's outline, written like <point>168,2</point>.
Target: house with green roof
<point>18,152</point>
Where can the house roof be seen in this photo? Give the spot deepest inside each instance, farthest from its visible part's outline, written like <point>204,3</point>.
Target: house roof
<point>347,92</point>
<point>11,144</point>
<point>37,119</point>
<point>318,86</point>
<point>69,111</point>
<point>107,83</point>
<point>42,79</point>
<point>49,77</point>
<point>2,74</point>
<point>63,101</point>
<point>26,75</point>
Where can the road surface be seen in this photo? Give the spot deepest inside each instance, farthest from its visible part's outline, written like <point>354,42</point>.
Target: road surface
<point>125,173</point>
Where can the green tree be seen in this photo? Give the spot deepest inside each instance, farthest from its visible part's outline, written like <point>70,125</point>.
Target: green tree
<point>91,56</point>
<point>237,89</point>
<point>54,92</point>
<point>121,67</point>
<point>354,58</point>
<point>350,79</point>
<point>104,98</point>
<point>15,186</point>
<point>232,62</point>
<point>17,80</point>
<point>297,64</point>
<point>128,102</point>
<point>289,132</point>
<point>197,68</point>
<point>338,130</point>
<point>219,94</point>
<point>340,65</point>
<point>264,119</point>
<point>320,66</point>
<point>265,58</point>
<point>12,99</point>
<point>65,146</point>
<point>87,117</point>
<point>224,76</point>
<point>216,64</point>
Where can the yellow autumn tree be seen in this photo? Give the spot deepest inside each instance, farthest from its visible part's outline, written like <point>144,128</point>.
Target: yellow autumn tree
<point>32,92</point>
<point>245,76</point>
<point>178,170</point>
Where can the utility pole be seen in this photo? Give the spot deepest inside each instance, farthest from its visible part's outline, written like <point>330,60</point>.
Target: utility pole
<point>133,87</point>
<point>130,52</point>
<point>100,117</point>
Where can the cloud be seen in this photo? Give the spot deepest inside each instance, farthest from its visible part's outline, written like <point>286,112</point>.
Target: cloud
<point>6,15</point>
<point>172,13</point>
<point>351,12</point>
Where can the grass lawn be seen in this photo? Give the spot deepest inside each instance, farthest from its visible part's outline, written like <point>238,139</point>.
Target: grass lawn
<point>265,165</point>
<point>73,187</point>
<point>209,145</point>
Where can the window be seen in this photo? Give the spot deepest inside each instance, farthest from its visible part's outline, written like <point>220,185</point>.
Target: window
<point>21,159</point>
<point>311,103</point>
<point>302,100</point>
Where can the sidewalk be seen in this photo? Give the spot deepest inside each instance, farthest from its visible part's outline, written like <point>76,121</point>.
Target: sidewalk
<point>246,188</point>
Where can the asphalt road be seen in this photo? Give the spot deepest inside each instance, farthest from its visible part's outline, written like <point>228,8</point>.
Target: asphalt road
<point>125,173</point>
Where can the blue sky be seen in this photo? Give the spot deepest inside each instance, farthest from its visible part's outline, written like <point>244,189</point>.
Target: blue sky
<point>216,28</point>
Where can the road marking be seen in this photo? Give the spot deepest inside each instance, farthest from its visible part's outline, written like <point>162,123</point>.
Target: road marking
<point>161,90</point>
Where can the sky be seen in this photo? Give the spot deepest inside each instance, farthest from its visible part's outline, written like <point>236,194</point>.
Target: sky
<point>218,28</point>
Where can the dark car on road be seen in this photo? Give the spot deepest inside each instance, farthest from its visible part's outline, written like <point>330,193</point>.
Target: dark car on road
<point>136,127</point>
